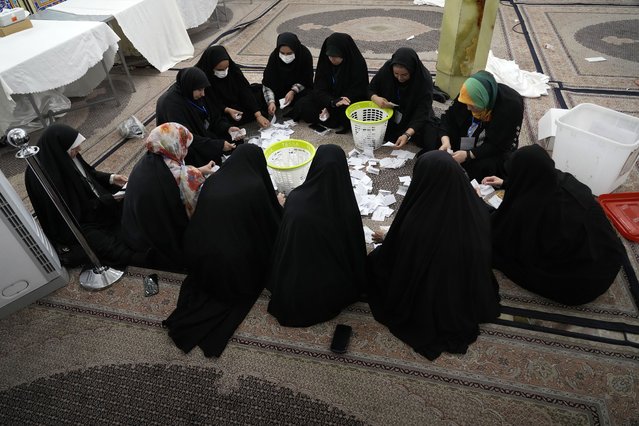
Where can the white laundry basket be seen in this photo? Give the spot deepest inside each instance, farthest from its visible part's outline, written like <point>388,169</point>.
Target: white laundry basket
<point>599,146</point>
<point>288,162</point>
<point>368,123</point>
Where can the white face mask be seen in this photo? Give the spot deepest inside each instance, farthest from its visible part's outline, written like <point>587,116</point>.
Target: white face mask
<point>221,74</point>
<point>287,59</point>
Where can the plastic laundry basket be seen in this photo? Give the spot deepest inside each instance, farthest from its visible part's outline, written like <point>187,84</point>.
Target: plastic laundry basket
<point>598,145</point>
<point>368,122</point>
<point>289,161</point>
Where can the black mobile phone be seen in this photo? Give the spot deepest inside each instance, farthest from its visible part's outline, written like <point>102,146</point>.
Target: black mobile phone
<point>317,127</point>
<point>340,338</point>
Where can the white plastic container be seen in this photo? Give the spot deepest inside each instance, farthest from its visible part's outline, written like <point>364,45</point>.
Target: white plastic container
<point>599,146</point>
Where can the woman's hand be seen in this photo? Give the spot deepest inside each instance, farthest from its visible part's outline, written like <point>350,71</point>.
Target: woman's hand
<point>120,180</point>
<point>228,146</point>
<point>207,169</point>
<point>401,141</point>
<point>460,156</point>
<point>381,101</point>
<point>289,97</point>
<point>271,108</point>
<point>235,114</point>
<point>378,237</point>
<point>343,101</point>
<point>492,181</point>
<point>262,121</point>
<point>445,144</point>
<point>281,198</point>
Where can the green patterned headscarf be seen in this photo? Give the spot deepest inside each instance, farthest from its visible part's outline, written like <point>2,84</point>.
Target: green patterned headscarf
<point>480,90</point>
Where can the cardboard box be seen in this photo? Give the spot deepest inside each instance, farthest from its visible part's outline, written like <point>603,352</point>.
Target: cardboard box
<point>14,28</point>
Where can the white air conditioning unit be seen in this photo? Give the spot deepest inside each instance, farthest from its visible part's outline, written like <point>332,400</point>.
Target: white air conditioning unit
<point>29,266</point>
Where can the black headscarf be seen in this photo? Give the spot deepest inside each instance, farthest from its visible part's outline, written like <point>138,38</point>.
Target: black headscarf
<point>76,191</point>
<point>431,279</point>
<point>190,79</point>
<point>321,227</point>
<point>550,235</point>
<point>231,91</point>
<point>178,106</point>
<point>280,77</point>
<point>415,96</point>
<point>350,78</point>
<point>227,245</point>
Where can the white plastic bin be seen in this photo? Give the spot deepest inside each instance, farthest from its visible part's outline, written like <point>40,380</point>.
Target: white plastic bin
<point>599,146</point>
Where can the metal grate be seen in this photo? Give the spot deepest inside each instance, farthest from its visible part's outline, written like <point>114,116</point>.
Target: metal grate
<point>24,235</point>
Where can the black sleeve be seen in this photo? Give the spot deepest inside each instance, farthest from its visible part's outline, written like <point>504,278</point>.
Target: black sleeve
<point>203,150</point>
<point>373,87</point>
<point>502,133</point>
<point>322,91</point>
<point>454,122</point>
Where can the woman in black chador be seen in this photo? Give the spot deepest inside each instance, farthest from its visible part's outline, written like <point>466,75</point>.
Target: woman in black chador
<point>229,89</point>
<point>431,281</point>
<point>227,245</point>
<point>403,83</point>
<point>341,79</point>
<point>550,235</point>
<point>161,196</point>
<point>320,252</point>
<point>288,74</point>
<point>185,103</point>
<point>89,195</point>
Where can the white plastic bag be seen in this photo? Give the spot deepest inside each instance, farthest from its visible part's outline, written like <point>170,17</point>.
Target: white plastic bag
<point>132,128</point>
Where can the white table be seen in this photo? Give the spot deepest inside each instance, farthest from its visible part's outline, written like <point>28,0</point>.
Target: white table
<point>50,55</point>
<point>196,12</point>
<point>154,27</point>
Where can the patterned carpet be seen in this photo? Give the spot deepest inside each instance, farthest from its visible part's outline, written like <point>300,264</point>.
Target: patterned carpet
<point>103,358</point>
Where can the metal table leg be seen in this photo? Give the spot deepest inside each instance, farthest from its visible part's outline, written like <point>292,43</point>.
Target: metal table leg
<point>117,101</point>
<point>41,117</point>
<point>126,68</point>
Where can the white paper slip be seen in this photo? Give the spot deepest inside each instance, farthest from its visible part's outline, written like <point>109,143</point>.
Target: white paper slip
<point>401,190</point>
<point>283,103</point>
<point>355,161</point>
<point>389,200</point>
<point>596,59</point>
<point>373,170</point>
<point>378,215</point>
<point>238,134</point>
<point>389,144</point>
<point>410,38</point>
<point>358,174</point>
<point>358,167</point>
<point>495,201</point>
<point>216,168</point>
<point>353,153</point>
<point>119,195</point>
<point>368,234</point>
<point>474,183</point>
<point>383,192</point>
<point>405,179</point>
<point>485,190</point>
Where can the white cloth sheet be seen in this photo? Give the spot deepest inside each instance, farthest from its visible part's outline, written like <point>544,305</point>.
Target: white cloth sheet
<point>154,27</point>
<point>196,12</point>
<point>529,84</point>
<point>50,55</point>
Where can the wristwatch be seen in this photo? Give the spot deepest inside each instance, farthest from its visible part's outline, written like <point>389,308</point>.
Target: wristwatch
<point>408,136</point>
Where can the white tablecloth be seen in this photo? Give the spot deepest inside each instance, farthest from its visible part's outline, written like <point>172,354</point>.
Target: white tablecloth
<point>154,27</point>
<point>196,12</point>
<point>50,55</point>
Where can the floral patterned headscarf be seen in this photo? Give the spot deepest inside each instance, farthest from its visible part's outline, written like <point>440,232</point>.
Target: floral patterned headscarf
<point>171,141</point>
